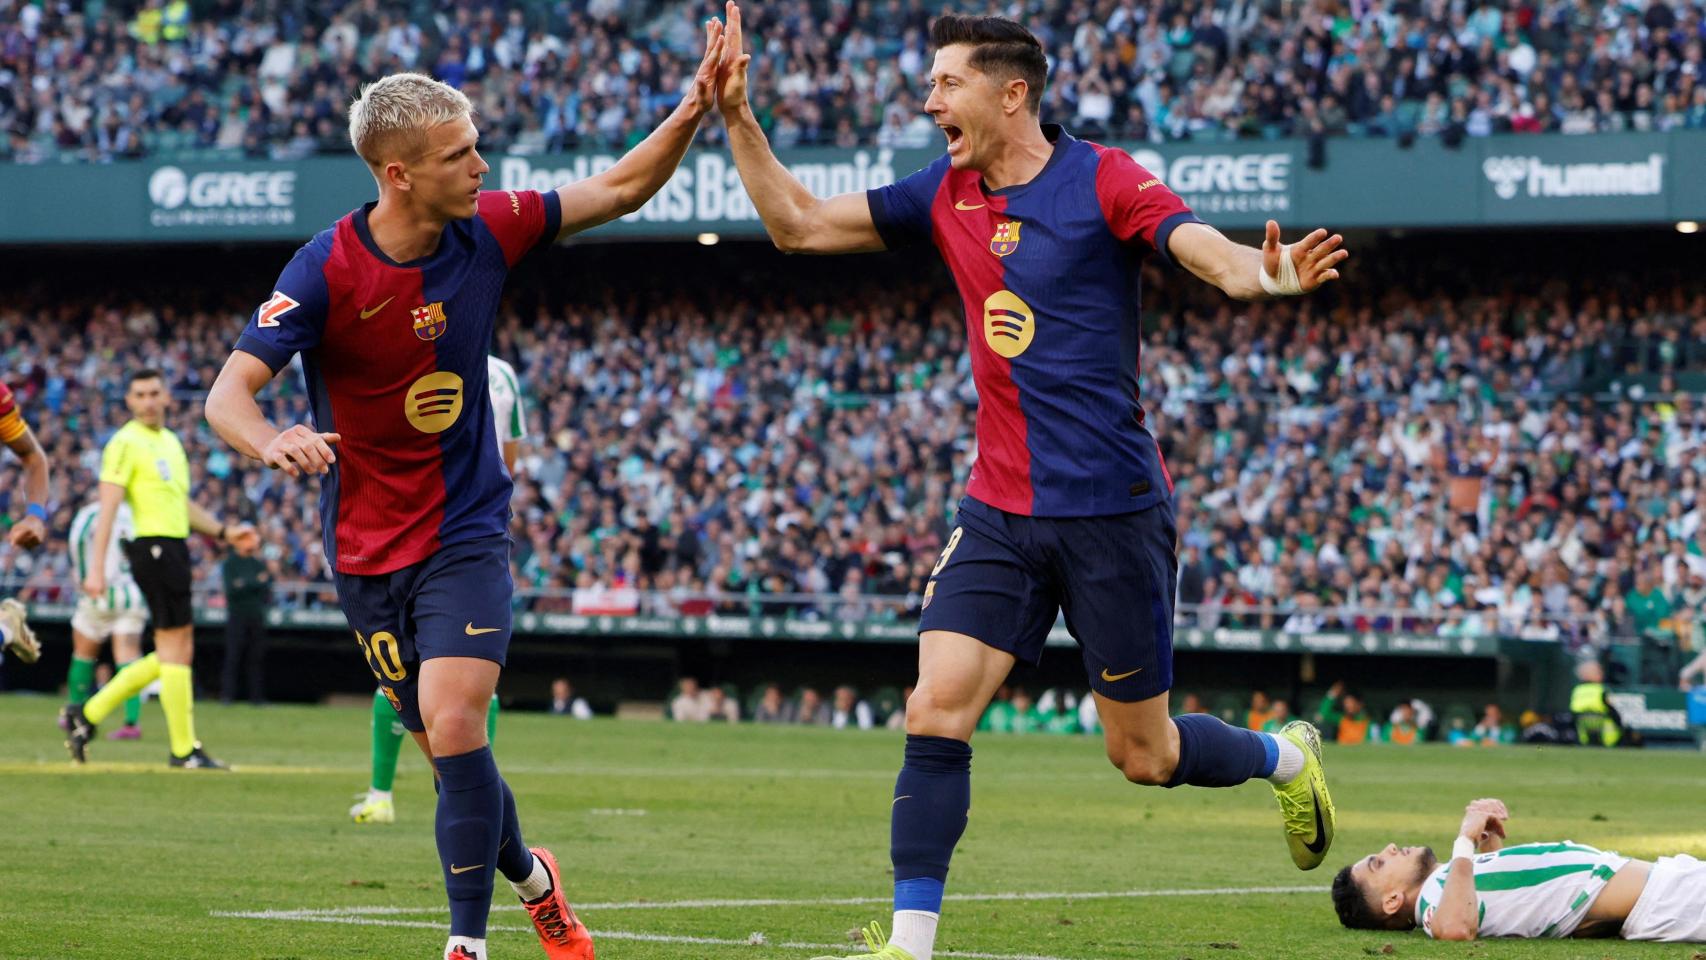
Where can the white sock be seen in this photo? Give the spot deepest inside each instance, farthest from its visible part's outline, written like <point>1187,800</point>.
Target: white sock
<point>915,932</point>
<point>1290,760</point>
<point>373,794</point>
<point>474,945</point>
<point>537,884</point>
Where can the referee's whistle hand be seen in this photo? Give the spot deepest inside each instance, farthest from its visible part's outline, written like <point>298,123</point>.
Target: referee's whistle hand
<point>300,450</point>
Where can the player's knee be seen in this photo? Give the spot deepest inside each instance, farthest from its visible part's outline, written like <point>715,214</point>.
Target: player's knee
<point>1139,765</point>
<point>454,730</point>
<point>929,713</point>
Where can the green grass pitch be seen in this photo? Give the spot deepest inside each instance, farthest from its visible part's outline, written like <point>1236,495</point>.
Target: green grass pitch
<point>684,842</point>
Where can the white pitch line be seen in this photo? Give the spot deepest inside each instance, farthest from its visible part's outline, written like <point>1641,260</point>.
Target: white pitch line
<point>780,902</point>
<point>360,921</point>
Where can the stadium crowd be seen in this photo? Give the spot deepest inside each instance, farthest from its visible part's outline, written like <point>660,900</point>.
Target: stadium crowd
<point>1412,462</point>
<point>86,78</point>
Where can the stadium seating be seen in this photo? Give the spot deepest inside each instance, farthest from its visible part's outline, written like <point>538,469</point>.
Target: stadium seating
<point>801,459</point>
<point>221,82</point>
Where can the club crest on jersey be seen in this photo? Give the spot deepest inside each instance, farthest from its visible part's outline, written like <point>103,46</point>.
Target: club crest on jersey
<point>1006,239</point>
<point>430,321</point>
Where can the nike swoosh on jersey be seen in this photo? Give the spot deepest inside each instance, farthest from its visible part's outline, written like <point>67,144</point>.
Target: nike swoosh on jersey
<point>1111,677</point>
<point>962,205</point>
<point>1320,842</point>
<point>371,311</point>
<point>474,631</point>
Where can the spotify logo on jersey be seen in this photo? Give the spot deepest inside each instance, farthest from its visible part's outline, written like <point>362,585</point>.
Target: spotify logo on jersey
<point>1008,324</point>
<point>434,402</point>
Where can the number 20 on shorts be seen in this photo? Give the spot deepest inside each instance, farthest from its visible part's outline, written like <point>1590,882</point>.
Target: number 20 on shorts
<point>384,656</point>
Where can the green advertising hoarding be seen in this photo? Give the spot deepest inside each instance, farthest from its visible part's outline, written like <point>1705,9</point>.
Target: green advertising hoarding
<point>1656,178</point>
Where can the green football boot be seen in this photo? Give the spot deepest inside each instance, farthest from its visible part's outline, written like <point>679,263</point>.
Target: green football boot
<point>1305,802</point>
<point>876,942</point>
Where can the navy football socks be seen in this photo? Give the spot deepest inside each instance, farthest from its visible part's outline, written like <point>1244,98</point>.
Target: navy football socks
<point>469,822</point>
<point>1213,754</point>
<point>515,861</point>
<point>932,797</point>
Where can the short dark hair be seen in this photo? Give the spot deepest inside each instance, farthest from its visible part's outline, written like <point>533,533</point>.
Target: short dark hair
<point>146,373</point>
<point>1352,903</point>
<point>1001,48</point>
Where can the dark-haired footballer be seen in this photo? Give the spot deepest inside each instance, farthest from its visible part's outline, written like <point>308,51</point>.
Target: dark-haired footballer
<point>1068,507</point>
<point>1531,890</point>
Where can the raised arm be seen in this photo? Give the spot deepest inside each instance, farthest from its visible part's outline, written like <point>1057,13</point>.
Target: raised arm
<point>797,221</point>
<point>643,171</point>
<point>1458,916</point>
<point>1290,269</point>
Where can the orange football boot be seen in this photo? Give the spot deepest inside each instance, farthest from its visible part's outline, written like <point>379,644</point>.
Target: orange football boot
<point>561,933</point>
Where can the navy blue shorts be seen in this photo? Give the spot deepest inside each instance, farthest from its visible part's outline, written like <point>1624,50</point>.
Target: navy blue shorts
<point>1002,577</point>
<point>455,603</point>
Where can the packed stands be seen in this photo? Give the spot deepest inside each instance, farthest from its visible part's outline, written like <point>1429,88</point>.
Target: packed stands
<point>99,81</point>
<point>1419,454</point>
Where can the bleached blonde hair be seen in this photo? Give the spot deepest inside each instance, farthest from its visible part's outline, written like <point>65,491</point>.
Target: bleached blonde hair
<point>391,117</point>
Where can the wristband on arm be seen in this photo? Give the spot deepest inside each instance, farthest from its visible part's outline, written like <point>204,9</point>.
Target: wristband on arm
<point>1463,848</point>
<point>38,511</point>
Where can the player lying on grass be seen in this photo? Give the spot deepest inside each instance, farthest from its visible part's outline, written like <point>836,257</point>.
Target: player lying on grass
<point>1548,889</point>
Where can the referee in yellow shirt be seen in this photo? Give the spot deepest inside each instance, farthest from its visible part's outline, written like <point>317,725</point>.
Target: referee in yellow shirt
<point>145,465</point>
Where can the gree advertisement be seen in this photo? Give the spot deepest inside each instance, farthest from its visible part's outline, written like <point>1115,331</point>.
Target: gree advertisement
<point>1510,180</point>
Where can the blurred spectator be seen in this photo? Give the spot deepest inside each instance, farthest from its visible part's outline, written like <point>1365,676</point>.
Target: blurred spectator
<point>718,705</point>
<point>1261,711</point>
<point>1492,730</point>
<point>850,711</point>
<point>690,705</point>
<point>1191,703</point>
<point>772,707</point>
<point>564,702</point>
<point>1421,714</point>
<point>1403,729</point>
<point>1278,716</point>
<point>1355,724</point>
<point>812,709</point>
<point>248,593</point>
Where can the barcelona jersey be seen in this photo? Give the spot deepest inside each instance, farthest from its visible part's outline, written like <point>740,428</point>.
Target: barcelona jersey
<point>1049,273</point>
<point>12,425</point>
<point>395,360</point>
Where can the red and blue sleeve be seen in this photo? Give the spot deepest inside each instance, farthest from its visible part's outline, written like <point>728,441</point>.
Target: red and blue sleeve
<point>12,424</point>
<point>1136,204</point>
<point>294,317</point>
<point>901,211</point>
<point>521,219</point>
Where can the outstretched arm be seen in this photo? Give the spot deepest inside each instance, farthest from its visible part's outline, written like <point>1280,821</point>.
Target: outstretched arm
<point>644,170</point>
<point>1290,269</point>
<point>798,221</point>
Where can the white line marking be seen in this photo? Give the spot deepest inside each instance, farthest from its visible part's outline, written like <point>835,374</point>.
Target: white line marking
<point>317,917</point>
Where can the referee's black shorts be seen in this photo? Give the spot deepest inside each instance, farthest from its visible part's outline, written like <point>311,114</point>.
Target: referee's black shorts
<point>161,568</point>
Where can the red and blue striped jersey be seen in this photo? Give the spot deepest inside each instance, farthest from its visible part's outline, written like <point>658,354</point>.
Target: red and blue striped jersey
<point>395,360</point>
<point>1049,274</point>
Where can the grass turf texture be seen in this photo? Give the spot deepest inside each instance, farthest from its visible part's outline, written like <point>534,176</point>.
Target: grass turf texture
<point>128,859</point>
